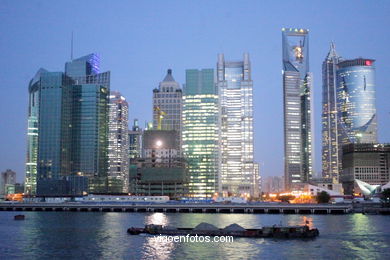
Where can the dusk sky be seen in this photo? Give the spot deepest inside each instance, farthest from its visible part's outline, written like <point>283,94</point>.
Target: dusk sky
<point>139,40</point>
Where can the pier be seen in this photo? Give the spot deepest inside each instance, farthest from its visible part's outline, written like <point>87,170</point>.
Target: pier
<point>183,208</point>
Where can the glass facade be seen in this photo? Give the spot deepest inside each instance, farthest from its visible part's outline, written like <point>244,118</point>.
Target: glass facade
<point>135,141</point>
<point>236,166</point>
<point>118,144</point>
<point>331,162</point>
<point>32,134</point>
<point>356,101</point>
<point>297,101</point>
<point>200,132</point>
<point>67,130</point>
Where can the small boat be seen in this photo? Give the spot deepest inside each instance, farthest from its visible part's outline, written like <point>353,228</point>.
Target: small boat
<point>19,217</point>
<point>235,230</point>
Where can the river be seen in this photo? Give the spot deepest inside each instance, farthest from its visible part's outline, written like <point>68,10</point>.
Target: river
<point>102,235</point>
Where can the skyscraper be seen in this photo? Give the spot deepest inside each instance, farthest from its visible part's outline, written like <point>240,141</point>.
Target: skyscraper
<point>234,83</point>
<point>90,99</point>
<point>356,101</point>
<point>167,106</point>
<point>298,112</point>
<point>200,131</point>
<point>67,129</point>
<point>330,145</point>
<point>7,177</point>
<point>118,144</point>
<point>135,141</point>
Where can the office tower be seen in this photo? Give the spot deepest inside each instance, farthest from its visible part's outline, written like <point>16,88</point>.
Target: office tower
<point>200,132</point>
<point>298,112</point>
<point>90,98</point>
<point>367,162</point>
<point>237,172</point>
<point>7,178</point>
<point>273,184</point>
<point>45,161</point>
<point>356,101</point>
<point>330,145</point>
<point>118,144</point>
<point>67,130</point>
<point>135,141</point>
<point>167,105</point>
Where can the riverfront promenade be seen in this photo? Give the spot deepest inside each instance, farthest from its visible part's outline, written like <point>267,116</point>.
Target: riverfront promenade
<point>260,208</point>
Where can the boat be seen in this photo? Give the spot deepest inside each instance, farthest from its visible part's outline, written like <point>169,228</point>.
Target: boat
<point>19,217</point>
<point>235,230</point>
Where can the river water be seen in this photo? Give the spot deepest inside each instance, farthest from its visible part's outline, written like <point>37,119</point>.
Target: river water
<point>97,235</point>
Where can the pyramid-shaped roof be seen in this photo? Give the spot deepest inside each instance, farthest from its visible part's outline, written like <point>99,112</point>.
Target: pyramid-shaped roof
<point>169,77</point>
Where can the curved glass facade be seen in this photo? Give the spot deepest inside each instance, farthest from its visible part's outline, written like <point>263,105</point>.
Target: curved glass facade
<point>356,101</point>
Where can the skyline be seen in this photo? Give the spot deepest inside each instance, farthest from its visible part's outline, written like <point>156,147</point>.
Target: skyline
<point>135,74</point>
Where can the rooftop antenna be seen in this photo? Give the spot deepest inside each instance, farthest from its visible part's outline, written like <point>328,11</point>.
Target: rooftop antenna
<point>71,48</point>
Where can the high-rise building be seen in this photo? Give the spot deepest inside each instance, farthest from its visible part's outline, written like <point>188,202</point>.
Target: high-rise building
<point>67,129</point>
<point>118,144</point>
<point>135,141</point>
<point>356,101</point>
<point>330,145</point>
<point>236,166</point>
<point>200,132</point>
<point>298,111</point>
<point>167,105</point>
<point>273,184</point>
<point>7,177</point>
<point>367,162</point>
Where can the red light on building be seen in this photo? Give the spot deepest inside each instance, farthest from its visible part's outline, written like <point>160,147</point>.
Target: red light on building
<point>368,63</point>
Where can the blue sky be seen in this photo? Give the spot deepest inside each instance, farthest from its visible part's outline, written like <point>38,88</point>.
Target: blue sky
<point>139,40</point>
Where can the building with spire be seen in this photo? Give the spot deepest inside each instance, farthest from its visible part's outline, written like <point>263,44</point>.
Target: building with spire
<point>118,144</point>
<point>298,108</point>
<point>167,106</point>
<point>236,165</point>
<point>331,157</point>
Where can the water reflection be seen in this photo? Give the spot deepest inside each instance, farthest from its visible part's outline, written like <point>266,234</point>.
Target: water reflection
<point>157,219</point>
<point>94,235</point>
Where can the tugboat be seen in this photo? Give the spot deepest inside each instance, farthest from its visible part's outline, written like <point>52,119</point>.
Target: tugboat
<point>235,230</point>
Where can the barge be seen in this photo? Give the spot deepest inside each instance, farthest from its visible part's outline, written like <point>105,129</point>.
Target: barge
<point>235,230</point>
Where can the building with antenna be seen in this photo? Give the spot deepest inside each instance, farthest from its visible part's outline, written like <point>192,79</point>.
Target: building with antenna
<point>67,130</point>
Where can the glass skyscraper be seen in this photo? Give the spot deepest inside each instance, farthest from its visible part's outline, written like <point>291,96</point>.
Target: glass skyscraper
<point>67,129</point>
<point>135,141</point>
<point>118,144</point>
<point>356,101</point>
<point>330,144</point>
<point>297,103</point>
<point>236,165</point>
<point>200,132</point>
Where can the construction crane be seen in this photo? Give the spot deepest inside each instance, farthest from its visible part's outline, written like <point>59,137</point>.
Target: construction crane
<point>160,116</point>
